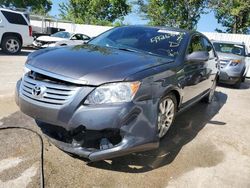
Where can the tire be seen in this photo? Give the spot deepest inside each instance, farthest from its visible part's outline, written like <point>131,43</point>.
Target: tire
<point>166,114</point>
<point>238,84</point>
<point>11,45</point>
<point>209,98</point>
<point>243,78</point>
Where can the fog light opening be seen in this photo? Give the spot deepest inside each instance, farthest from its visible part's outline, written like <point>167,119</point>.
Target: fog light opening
<point>105,144</point>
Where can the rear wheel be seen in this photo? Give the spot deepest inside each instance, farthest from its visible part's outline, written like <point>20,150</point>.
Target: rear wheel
<point>11,45</point>
<point>209,98</point>
<point>166,114</point>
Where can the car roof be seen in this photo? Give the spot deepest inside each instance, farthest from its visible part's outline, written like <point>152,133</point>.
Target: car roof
<point>71,34</point>
<point>163,27</point>
<point>14,11</point>
<point>228,42</point>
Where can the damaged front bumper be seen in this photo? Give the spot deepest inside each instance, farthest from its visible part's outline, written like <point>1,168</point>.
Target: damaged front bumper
<point>98,148</point>
<point>231,75</point>
<point>95,132</point>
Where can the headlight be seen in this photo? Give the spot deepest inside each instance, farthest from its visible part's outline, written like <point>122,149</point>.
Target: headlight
<point>25,70</point>
<point>235,62</point>
<point>113,93</point>
<point>51,42</point>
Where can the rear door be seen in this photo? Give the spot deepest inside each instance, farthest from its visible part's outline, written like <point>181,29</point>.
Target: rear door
<point>212,64</point>
<point>1,21</point>
<point>17,22</point>
<point>196,73</point>
<point>1,25</point>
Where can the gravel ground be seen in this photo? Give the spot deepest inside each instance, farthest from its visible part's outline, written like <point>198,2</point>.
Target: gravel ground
<point>208,146</point>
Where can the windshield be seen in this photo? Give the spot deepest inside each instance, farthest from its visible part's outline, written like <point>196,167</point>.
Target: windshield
<point>163,42</point>
<point>229,48</point>
<point>61,34</point>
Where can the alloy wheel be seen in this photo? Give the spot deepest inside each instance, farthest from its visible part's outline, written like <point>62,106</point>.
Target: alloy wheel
<point>165,116</point>
<point>12,45</point>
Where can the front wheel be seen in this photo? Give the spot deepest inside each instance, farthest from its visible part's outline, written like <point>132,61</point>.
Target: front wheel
<point>238,84</point>
<point>166,114</point>
<point>243,78</point>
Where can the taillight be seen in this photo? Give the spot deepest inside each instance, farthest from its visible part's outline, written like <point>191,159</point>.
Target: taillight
<point>30,31</point>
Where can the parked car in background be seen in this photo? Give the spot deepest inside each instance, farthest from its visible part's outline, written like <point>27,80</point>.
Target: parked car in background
<point>121,92</point>
<point>61,38</point>
<point>248,68</point>
<point>232,57</point>
<point>15,31</point>
<point>248,65</point>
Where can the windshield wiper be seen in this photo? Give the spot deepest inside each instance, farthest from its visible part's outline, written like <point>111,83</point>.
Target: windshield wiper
<point>129,50</point>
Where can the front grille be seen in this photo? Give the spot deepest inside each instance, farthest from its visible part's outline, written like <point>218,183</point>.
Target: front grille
<point>46,92</point>
<point>41,43</point>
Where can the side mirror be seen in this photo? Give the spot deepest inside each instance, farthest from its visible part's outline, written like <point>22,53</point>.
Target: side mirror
<point>199,56</point>
<point>248,55</point>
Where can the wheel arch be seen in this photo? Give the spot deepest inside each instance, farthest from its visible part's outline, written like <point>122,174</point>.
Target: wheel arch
<point>8,34</point>
<point>176,93</point>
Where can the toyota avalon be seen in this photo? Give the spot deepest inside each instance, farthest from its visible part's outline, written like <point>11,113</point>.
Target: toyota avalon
<point>121,92</point>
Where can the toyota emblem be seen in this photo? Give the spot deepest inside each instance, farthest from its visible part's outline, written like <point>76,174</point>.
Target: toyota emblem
<point>38,91</point>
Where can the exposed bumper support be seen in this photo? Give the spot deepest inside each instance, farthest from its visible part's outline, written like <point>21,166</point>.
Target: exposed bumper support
<point>125,147</point>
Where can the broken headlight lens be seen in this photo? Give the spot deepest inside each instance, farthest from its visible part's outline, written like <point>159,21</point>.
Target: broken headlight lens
<point>113,93</point>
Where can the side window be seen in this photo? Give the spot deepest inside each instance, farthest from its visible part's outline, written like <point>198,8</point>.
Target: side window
<point>14,18</point>
<point>73,37</point>
<point>80,37</point>
<point>195,45</point>
<point>209,48</point>
<point>77,37</point>
<point>85,37</point>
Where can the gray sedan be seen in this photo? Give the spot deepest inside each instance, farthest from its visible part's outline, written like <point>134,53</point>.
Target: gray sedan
<point>121,92</point>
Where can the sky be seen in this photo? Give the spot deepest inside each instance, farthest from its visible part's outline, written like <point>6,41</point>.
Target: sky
<point>207,22</point>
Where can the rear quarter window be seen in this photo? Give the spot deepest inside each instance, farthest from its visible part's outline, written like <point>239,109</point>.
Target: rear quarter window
<point>27,17</point>
<point>14,18</point>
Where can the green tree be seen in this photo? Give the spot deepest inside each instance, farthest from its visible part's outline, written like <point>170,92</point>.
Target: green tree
<point>101,12</point>
<point>41,7</point>
<point>234,15</point>
<point>181,13</point>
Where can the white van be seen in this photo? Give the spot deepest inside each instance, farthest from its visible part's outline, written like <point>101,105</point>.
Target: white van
<point>15,31</point>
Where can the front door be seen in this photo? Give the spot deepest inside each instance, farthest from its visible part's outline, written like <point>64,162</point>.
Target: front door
<point>196,73</point>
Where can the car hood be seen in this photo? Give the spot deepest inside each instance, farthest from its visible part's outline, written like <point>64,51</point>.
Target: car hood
<point>50,39</point>
<point>228,56</point>
<point>91,64</point>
